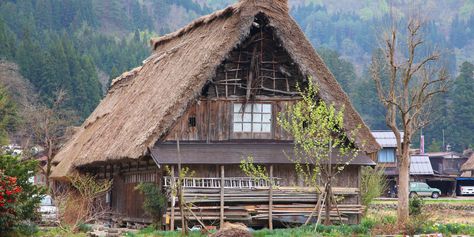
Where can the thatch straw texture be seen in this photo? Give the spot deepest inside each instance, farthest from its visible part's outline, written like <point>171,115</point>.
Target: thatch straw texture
<point>469,164</point>
<point>143,104</point>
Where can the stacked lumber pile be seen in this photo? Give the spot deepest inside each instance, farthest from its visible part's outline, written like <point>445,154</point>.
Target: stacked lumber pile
<point>210,213</point>
<point>280,195</point>
<point>297,213</point>
<point>290,205</point>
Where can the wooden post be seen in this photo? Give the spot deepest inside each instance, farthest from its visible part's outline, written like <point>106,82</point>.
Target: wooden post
<point>454,194</point>
<point>270,201</point>
<point>222,198</point>
<point>184,226</point>
<point>173,186</point>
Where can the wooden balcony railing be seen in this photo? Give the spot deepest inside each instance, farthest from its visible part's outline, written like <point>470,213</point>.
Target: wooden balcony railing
<point>229,182</point>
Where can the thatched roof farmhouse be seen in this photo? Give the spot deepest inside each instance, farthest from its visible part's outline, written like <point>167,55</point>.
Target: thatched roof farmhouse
<point>190,88</point>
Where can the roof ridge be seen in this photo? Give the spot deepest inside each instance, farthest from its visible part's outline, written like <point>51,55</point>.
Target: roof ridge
<point>232,9</point>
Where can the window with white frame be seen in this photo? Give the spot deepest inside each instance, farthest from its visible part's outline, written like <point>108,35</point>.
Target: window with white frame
<point>252,118</point>
<point>386,155</point>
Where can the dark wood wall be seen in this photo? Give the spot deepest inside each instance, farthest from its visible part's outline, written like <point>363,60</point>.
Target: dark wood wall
<point>214,121</point>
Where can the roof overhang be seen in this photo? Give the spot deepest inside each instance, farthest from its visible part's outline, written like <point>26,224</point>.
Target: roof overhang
<point>234,153</point>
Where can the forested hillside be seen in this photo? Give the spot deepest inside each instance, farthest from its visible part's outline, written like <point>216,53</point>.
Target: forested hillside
<point>79,46</point>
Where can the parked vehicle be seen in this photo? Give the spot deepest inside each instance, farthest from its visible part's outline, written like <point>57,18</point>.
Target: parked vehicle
<point>423,190</point>
<point>48,211</point>
<point>467,190</point>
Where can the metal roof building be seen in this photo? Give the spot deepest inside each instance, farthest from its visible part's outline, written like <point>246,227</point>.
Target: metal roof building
<point>385,138</point>
<point>420,165</point>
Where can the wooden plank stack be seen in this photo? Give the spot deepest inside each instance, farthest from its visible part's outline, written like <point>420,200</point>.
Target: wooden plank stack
<point>280,195</point>
<point>291,205</point>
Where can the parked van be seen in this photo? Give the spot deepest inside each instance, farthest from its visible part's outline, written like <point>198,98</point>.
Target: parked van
<point>467,190</point>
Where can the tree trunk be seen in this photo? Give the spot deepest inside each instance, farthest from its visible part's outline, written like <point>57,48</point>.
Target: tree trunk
<point>48,164</point>
<point>327,219</point>
<point>403,187</point>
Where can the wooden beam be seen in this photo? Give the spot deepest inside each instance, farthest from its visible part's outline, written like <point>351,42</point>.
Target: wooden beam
<point>172,199</point>
<point>251,72</point>
<point>222,198</point>
<point>270,201</point>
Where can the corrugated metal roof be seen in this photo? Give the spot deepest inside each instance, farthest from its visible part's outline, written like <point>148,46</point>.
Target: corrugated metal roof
<point>444,154</point>
<point>385,138</point>
<point>420,165</point>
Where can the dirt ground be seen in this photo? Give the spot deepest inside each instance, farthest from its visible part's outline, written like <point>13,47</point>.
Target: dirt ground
<point>439,210</point>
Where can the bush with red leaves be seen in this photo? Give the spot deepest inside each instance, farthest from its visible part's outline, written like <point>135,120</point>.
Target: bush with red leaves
<point>9,192</point>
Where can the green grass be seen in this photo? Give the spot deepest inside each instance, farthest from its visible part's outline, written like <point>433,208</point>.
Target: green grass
<point>378,223</point>
<point>431,201</point>
<point>54,232</point>
<point>307,231</point>
<point>148,232</point>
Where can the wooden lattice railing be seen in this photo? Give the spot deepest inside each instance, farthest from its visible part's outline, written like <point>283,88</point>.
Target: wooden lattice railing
<point>229,182</point>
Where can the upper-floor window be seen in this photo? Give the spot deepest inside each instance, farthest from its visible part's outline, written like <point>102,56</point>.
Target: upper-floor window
<point>254,118</point>
<point>386,155</point>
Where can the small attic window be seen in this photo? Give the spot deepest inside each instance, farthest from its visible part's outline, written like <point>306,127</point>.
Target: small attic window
<point>192,121</point>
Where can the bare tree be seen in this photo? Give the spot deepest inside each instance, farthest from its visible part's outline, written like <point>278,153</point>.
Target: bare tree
<point>48,125</point>
<point>81,200</point>
<point>406,92</point>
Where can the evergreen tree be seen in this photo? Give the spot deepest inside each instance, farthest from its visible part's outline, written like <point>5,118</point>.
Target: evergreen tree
<point>7,41</point>
<point>342,70</point>
<point>461,109</point>
<point>8,116</point>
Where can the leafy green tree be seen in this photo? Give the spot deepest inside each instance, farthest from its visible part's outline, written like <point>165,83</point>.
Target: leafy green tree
<point>318,132</point>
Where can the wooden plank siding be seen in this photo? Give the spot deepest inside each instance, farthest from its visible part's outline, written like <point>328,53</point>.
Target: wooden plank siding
<point>127,202</point>
<point>214,121</point>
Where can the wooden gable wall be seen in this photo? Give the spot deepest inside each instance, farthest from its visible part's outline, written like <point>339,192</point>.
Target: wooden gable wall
<point>214,122</point>
<point>258,71</point>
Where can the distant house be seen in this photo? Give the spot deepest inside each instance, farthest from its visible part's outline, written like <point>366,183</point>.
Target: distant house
<point>387,158</point>
<point>446,162</point>
<point>438,169</point>
<point>447,168</point>
<point>208,97</point>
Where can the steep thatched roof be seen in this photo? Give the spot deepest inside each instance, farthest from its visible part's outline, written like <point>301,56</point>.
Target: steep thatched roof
<point>142,105</point>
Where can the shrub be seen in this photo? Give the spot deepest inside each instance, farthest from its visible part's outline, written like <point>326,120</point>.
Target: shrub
<point>154,203</point>
<point>415,205</point>
<point>19,198</point>
<point>373,183</point>
<point>9,192</point>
